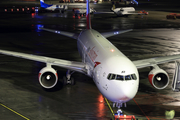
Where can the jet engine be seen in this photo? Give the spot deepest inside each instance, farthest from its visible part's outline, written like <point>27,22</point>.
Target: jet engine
<point>158,78</point>
<point>48,77</point>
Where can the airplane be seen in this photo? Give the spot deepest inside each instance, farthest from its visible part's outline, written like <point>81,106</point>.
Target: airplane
<point>114,74</point>
<point>52,7</point>
<point>82,11</point>
<point>123,11</point>
<point>131,1</point>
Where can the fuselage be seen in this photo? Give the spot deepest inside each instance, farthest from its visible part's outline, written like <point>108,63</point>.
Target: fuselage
<point>57,7</point>
<point>82,10</point>
<point>124,10</point>
<point>52,7</point>
<point>113,73</point>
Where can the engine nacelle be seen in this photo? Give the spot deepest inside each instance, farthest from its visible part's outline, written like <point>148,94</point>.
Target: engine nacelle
<point>158,78</point>
<point>48,77</point>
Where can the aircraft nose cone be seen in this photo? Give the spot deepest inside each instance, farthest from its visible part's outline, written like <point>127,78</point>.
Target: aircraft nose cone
<point>128,91</point>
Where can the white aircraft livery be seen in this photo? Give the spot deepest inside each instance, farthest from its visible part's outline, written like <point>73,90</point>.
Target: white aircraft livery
<point>82,11</point>
<point>123,11</point>
<point>114,74</point>
<point>52,7</point>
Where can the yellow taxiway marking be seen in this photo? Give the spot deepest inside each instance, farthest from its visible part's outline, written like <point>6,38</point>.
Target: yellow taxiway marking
<point>109,106</point>
<point>14,111</point>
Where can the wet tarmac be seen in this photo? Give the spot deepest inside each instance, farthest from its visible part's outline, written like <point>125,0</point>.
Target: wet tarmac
<point>22,97</point>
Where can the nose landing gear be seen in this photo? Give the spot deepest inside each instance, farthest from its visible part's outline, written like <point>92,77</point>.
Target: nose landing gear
<point>118,104</point>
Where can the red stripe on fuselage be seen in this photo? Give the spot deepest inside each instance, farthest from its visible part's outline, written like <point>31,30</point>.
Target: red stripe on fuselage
<point>96,64</point>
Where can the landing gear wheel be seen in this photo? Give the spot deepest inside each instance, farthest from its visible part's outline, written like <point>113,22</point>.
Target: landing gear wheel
<point>72,81</point>
<point>64,80</point>
<point>68,79</point>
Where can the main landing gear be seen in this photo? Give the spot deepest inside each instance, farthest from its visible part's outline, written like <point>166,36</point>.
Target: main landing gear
<point>68,79</point>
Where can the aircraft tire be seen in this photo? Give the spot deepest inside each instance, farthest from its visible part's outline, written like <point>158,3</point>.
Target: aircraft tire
<point>72,81</point>
<point>64,81</point>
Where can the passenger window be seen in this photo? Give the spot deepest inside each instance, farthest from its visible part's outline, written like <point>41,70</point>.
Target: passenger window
<point>120,77</point>
<point>127,77</point>
<point>134,77</point>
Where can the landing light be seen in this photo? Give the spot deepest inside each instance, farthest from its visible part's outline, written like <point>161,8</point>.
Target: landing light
<point>116,32</point>
<point>112,50</point>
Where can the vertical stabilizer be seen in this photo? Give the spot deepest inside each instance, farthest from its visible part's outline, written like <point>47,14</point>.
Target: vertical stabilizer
<point>113,7</point>
<point>88,19</point>
<point>135,2</point>
<point>43,5</point>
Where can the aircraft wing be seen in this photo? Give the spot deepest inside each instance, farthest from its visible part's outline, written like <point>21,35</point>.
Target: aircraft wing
<point>75,66</point>
<point>153,61</point>
<point>112,33</point>
<point>103,13</point>
<point>135,13</point>
<point>68,34</point>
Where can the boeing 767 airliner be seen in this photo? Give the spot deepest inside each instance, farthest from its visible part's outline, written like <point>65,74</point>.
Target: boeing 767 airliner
<point>114,74</point>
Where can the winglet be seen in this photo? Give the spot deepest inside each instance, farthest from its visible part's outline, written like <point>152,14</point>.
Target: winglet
<point>88,19</point>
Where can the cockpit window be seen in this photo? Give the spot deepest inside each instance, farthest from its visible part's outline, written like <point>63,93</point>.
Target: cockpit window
<point>111,76</point>
<point>133,76</point>
<point>121,77</point>
<point>127,77</point>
